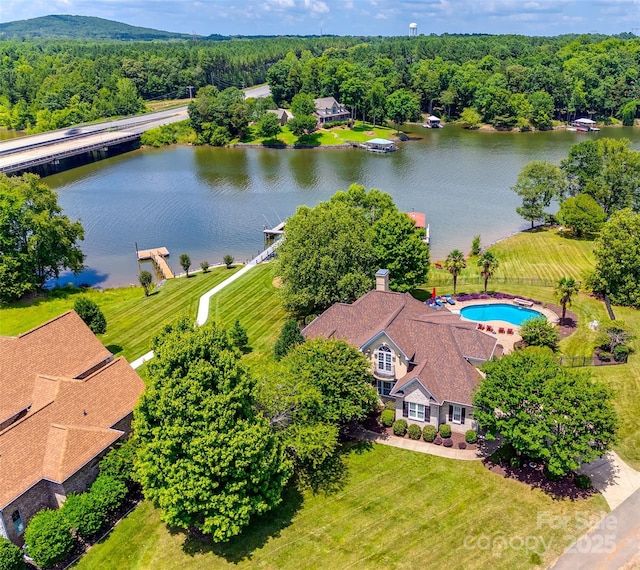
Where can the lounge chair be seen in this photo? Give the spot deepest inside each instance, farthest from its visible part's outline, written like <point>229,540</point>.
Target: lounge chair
<point>480,327</point>
<point>438,302</point>
<point>509,331</point>
<point>449,300</point>
<point>489,328</point>
<point>501,330</point>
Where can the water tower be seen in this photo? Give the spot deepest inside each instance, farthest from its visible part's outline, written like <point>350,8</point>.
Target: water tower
<point>413,29</point>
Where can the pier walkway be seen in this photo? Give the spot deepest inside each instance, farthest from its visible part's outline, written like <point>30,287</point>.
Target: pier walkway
<point>157,256</point>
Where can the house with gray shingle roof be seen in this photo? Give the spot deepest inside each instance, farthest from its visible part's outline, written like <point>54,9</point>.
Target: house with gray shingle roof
<point>329,110</point>
<point>424,359</point>
<point>64,401</point>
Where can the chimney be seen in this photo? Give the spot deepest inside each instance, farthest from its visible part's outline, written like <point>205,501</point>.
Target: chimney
<point>382,280</point>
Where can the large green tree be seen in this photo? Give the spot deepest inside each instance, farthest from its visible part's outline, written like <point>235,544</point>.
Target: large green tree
<point>206,458</point>
<point>617,252</point>
<point>402,106</point>
<point>582,214</point>
<point>549,413</point>
<point>537,184</point>
<point>37,241</point>
<point>606,169</point>
<point>332,251</point>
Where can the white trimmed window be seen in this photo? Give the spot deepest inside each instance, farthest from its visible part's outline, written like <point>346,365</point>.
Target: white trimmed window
<point>385,359</point>
<point>384,388</point>
<point>457,414</point>
<point>416,411</point>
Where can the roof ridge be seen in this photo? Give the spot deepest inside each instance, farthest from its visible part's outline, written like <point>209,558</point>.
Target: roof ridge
<point>24,418</point>
<point>22,335</point>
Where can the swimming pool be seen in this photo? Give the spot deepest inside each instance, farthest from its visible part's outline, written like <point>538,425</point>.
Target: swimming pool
<point>499,312</point>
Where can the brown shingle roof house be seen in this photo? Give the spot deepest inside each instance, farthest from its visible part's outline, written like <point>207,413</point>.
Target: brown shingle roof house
<point>64,401</point>
<point>423,358</point>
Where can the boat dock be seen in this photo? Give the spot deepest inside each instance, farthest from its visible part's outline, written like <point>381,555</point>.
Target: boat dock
<point>157,256</point>
<point>273,232</point>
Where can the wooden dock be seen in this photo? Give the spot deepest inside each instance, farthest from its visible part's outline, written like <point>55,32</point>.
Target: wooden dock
<point>157,256</point>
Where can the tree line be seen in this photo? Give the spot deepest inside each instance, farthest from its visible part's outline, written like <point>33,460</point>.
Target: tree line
<point>506,80</point>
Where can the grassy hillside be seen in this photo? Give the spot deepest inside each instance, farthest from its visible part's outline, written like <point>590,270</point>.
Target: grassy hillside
<point>82,27</point>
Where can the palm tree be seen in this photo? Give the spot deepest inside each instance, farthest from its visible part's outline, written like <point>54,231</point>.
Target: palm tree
<point>454,264</point>
<point>489,263</point>
<point>565,289</point>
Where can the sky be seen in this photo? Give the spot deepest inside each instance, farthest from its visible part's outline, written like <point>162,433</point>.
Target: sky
<point>348,17</point>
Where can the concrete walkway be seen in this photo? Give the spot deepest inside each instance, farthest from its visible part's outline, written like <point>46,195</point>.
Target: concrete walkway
<point>613,478</point>
<point>423,447</point>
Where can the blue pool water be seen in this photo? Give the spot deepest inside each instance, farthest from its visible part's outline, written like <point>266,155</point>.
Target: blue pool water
<point>499,312</point>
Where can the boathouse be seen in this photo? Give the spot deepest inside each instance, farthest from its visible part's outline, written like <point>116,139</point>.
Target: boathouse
<point>380,145</point>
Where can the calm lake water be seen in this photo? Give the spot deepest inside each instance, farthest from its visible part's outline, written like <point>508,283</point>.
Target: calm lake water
<point>209,202</point>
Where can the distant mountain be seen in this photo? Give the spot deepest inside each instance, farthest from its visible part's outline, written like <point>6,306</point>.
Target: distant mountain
<point>87,28</point>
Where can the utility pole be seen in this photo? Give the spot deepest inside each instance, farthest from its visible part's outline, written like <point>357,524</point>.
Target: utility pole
<point>190,88</point>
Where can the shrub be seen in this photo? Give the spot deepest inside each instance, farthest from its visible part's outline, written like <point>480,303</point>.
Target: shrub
<point>447,442</point>
<point>228,261</point>
<point>445,430</point>
<point>289,337</point>
<point>91,314</point>
<point>604,356</point>
<point>10,556</point>
<point>540,332</point>
<point>118,463</point>
<point>462,445</point>
<point>400,427</point>
<point>514,461</point>
<point>387,418</point>
<point>108,492</point>
<point>583,481</point>
<point>84,514</point>
<point>48,538</point>
<point>429,433</point>
<point>238,336</point>
<point>390,405</point>
<point>415,431</point>
<point>438,440</point>
<point>471,436</point>
<point>204,265</point>
<point>621,353</point>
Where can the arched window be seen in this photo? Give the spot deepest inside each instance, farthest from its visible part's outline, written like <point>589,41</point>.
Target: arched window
<point>385,359</point>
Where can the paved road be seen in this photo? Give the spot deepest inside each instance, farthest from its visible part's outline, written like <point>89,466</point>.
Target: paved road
<point>613,545</point>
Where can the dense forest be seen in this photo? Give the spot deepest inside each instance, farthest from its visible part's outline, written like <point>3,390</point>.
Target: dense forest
<point>508,81</point>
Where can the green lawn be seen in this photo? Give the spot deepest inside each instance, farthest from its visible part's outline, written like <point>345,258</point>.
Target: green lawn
<point>324,137</point>
<point>398,509</point>
<point>132,318</point>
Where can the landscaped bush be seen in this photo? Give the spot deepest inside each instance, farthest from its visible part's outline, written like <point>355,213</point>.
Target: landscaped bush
<point>471,436</point>
<point>447,442</point>
<point>415,432</point>
<point>48,538</point>
<point>503,454</point>
<point>445,430</point>
<point>514,462</point>
<point>400,427</point>
<point>118,463</point>
<point>438,440</point>
<point>108,492</point>
<point>10,556</point>
<point>390,405</point>
<point>604,356</point>
<point>84,514</point>
<point>429,433</point>
<point>583,481</point>
<point>621,353</point>
<point>387,417</point>
<point>462,445</point>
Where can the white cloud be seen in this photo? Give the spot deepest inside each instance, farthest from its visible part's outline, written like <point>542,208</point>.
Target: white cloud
<point>282,3</point>
<point>381,16</point>
<point>316,6</point>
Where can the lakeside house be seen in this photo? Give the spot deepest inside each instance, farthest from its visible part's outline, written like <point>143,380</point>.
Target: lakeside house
<point>64,401</point>
<point>284,115</point>
<point>424,360</point>
<point>328,110</point>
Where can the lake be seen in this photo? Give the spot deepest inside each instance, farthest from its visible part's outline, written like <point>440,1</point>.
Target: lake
<point>209,202</point>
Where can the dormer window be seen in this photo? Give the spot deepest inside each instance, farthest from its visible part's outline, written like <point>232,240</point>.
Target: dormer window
<point>385,359</point>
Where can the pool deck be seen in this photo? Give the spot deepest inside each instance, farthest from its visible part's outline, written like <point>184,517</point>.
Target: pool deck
<point>506,340</point>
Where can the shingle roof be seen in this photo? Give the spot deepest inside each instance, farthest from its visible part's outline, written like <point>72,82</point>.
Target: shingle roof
<point>70,420</point>
<point>64,346</point>
<point>438,342</point>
